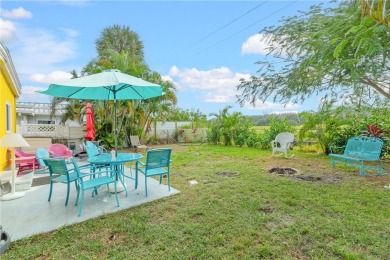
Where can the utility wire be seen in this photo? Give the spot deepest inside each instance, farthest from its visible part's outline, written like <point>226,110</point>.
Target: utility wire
<point>232,21</point>
<point>262,19</point>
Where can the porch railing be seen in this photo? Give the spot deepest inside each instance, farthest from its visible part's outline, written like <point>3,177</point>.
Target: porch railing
<point>53,131</point>
<point>34,108</point>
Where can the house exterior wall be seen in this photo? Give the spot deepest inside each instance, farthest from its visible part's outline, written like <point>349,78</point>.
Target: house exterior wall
<point>33,112</point>
<point>10,90</point>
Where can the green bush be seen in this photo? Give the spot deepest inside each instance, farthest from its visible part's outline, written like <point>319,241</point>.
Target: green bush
<point>253,139</point>
<point>229,129</point>
<point>275,127</point>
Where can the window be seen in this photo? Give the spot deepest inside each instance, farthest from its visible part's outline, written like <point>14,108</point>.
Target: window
<point>8,118</point>
<point>46,122</point>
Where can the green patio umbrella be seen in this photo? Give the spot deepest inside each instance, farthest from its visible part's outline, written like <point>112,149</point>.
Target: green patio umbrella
<point>107,85</point>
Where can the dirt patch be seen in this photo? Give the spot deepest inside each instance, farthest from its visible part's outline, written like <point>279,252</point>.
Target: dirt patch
<point>227,173</point>
<point>266,210</point>
<point>323,179</point>
<point>283,170</point>
<point>313,167</point>
<point>299,176</point>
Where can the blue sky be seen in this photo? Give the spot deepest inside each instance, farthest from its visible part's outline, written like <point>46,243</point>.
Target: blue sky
<point>203,47</point>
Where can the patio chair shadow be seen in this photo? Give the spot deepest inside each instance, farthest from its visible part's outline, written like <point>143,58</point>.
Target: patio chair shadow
<point>33,214</point>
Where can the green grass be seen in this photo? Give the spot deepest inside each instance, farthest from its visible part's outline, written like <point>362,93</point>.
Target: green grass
<point>238,210</point>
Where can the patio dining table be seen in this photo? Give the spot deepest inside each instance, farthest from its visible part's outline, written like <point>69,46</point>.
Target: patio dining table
<point>118,165</point>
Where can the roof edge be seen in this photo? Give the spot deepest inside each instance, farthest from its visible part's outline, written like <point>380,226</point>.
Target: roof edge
<point>11,74</point>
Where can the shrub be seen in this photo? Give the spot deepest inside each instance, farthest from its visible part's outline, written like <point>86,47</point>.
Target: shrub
<point>275,127</point>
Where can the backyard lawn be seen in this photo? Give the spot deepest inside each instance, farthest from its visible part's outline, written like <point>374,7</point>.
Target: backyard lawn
<point>237,210</point>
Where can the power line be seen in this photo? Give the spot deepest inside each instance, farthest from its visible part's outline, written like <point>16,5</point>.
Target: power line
<point>262,19</point>
<point>232,21</point>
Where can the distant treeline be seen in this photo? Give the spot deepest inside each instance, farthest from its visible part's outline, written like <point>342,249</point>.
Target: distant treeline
<point>263,120</point>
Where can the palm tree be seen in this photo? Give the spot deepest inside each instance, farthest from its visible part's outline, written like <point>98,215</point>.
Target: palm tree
<point>55,101</point>
<point>119,39</point>
<point>75,111</point>
<point>120,48</point>
<point>158,108</point>
<point>376,9</point>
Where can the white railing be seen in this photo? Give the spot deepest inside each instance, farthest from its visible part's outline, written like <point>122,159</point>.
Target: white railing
<point>34,108</point>
<point>53,131</point>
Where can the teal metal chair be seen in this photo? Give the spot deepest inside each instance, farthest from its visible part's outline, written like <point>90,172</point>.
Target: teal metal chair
<point>40,154</point>
<point>157,163</point>
<point>59,173</point>
<point>99,148</point>
<point>82,184</point>
<point>92,150</point>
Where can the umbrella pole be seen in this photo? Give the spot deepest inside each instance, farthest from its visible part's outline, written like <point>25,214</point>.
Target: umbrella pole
<point>115,130</point>
<point>119,188</point>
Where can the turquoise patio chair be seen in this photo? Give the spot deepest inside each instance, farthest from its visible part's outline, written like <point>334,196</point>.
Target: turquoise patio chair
<point>100,148</point>
<point>157,163</point>
<point>42,153</point>
<point>81,184</point>
<point>59,173</point>
<point>92,150</point>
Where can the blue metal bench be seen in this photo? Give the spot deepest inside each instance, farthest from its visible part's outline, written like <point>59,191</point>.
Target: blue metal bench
<point>362,152</point>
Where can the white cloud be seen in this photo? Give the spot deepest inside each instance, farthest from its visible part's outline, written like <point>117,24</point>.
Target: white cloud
<point>173,71</point>
<point>40,51</point>
<point>52,77</point>
<point>213,98</point>
<point>217,85</point>
<point>169,78</point>
<point>271,107</point>
<point>7,31</point>
<point>70,32</point>
<point>256,44</point>
<point>29,94</point>
<point>17,13</point>
<point>166,78</point>
<point>36,50</point>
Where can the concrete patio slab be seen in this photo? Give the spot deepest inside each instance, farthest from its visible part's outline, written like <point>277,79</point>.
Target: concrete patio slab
<point>33,214</point>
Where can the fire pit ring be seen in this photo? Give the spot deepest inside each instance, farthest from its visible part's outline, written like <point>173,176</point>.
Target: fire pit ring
<point>283,171</point>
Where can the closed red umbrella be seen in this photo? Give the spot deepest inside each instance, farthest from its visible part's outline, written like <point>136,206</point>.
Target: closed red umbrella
<point>90,122</point>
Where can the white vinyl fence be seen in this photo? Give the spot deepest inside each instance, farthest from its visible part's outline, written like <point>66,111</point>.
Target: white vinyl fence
<point>166,131</point>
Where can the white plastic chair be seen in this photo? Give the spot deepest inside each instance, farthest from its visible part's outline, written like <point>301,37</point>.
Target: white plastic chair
<point>282,143</point>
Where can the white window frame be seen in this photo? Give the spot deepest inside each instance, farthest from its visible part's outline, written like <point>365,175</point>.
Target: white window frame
<point>8,117</point>
<point>52,122</point>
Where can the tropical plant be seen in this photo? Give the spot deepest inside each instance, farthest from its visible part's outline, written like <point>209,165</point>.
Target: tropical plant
<point>375,131</point>
<point>245,132</point>
<point>230,129</point>
<point>330,126</point>
<point>119,38</point>
<point>197,118</point>
<point>376,9</point>
<point>275,127</point>
<point>74,111</point>
<point>120,48</point>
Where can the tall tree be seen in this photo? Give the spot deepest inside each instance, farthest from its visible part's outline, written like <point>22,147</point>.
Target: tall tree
<point>118,39</point>
<point>331,49</point>
<point>120,48</point>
